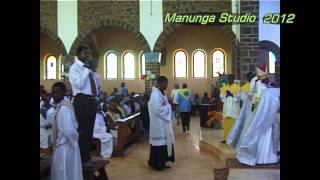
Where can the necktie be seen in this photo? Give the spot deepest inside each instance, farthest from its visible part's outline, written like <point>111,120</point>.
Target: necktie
<point>93,85</point>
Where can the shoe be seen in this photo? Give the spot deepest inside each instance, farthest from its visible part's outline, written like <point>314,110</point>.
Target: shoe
<point>223,141</point>
<point>188,129</point>
<point>166,167</point>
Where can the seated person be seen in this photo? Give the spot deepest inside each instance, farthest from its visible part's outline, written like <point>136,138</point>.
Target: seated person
<point>124,90</point>
<point>127,107</point>
<point>47,113</point>
<point>136,99</point>
<point>113,114</point>
<point>145,112</point>
<point>115,92</point>
<point>100,132</point>
<point>205,99</point>
<point>103,99</point>
<point>117,100</point>
<point>44,134</point>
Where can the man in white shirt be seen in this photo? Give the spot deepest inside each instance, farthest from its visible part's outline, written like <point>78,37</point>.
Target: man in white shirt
<point>85,89</point>
<point>175,104</point>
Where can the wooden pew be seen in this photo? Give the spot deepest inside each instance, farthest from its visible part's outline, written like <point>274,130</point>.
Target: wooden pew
<point>96,172</point>
<point>45,168</point>
<point>122,139</point>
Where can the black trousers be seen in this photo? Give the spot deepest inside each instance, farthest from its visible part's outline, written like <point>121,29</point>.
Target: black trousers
<point>185,118</point>
<point>85,108</point>
<point>159,156</point>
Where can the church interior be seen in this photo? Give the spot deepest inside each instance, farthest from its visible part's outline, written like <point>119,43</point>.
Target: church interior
<point>131,44</point>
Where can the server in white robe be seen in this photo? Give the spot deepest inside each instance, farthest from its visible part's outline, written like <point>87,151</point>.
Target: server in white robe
<point>100,132</point>
<point>247,110</point>
<point>161,136</point>
<point>47,113</point>
<point>66,161</point>
<point>44,133</point>
<point>256,134</point>
<point>261,140</point>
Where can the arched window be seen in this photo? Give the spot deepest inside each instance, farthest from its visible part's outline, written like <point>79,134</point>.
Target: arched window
<point>199,64</point>
<point>180,64</point>
<point>272,62</point>
<point>218,63</point>
<point>111,65</point>
<point>51,68</point>
<point>143,64</point>
<point>62,72</point>
<point>129,67</point>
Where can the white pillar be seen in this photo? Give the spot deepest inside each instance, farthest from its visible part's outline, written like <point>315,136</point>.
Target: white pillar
<point>151,20</point>
<point>67,21</point>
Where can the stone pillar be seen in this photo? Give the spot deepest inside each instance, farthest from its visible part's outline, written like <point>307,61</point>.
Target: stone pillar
<point>249,39</point>
<point>152,65</point>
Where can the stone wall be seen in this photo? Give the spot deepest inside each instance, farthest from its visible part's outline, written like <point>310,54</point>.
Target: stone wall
<point>48,15</point>
<point>170,6</point>
<point>249,38</point>
<point>92,12</point>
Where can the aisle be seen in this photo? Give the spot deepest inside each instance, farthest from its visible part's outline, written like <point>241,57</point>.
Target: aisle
<point>191,163</point>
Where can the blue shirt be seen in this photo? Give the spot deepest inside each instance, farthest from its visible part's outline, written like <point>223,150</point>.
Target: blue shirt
<point>184,105</point>
<point>124,91</point>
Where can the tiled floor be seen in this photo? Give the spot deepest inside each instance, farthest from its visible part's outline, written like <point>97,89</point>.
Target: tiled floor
<point>191,163</point>
<point>256,174</point>
<point>213,138</point>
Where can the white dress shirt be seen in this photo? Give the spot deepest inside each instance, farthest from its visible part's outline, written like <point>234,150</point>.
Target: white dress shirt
<point>79,78</point>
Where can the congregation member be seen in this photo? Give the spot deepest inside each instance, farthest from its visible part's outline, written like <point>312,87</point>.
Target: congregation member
<point>112,115</point>
<point>175,104</point>
<point>124,90</point>
<point>85,90</point>
<point>145,112</point>
<point>161,137</point>
<point>44,133</point>
<point>136,99</point>
<point>230,96</point>
<point>66,161</point>
<point>115,92</point>
<point>47,112</point>
<point>117,100</point>
<point>100,132</point>
<point>103,99</point>
<point>127,106</point>
<point>205,99</point>
<point>185,100</point>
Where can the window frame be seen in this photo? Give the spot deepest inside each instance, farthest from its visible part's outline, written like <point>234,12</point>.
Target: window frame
<point>174,63</point>
<point>141,67</point>
<point>204,63</point>
<point>224,61</point>
<point>106,64</point>
<point>275,60</point>
<point>46,67</point>
<point>134,66</point>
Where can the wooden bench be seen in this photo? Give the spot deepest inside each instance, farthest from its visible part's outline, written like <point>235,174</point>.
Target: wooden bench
<point>122,139</point>
<point>96,172</point>
<point>45,163</point>
<point>45,167</point>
